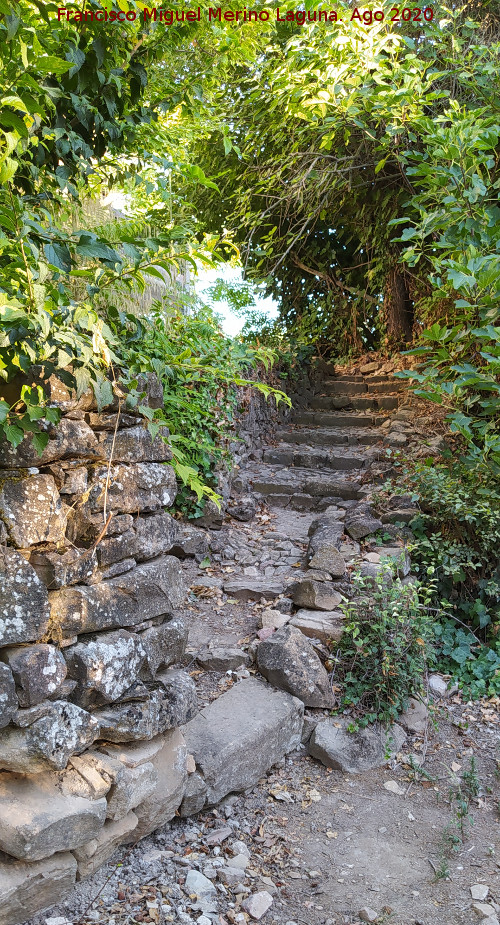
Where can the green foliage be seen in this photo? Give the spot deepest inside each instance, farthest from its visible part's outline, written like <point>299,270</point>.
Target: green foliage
<point>457,534</point>
<point>201,371</point>
<point>84,110</point>
<point>385,646</point>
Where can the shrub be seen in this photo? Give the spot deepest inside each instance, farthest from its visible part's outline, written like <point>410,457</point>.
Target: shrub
<point>386,643</point>
<point>457,534</point>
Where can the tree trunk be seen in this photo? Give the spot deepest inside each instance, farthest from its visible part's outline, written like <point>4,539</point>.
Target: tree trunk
<point>398,308</point>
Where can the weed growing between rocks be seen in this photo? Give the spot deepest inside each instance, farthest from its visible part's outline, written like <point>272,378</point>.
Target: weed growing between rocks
<point>462,790</point>
<point>384,650</point>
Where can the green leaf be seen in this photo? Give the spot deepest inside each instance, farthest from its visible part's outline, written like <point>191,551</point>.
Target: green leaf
<point>14,434</point>
<point>40,441</point>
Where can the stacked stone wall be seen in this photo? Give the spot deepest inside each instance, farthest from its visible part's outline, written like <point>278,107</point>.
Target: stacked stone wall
<point>91,623</point>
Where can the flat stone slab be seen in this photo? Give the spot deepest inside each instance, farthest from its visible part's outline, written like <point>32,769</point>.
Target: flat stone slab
<point>36,819</point>
<point>251,589</point>
<point>237,737</point>
<point>320,624</point>
<point>25,888</point>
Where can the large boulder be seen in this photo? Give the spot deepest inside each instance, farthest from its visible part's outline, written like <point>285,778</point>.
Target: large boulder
<point>105,666</point>
<point>49,741</point>
<point>31,510</point>
<point>239,736</point>
<point>38,670</point>
<point>354,752</point>
<point>27,887</point>
<point>148,591</point>
<point>24,604</point>
<point>37,819</point>
<point>288,661</point>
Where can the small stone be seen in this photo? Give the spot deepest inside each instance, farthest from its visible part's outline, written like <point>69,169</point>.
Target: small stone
<point>353,752</point>
<point>218,836</point>
<point>273,619</point>
<point>257,904</point>
<point>230,876</point>
<point>241,861</point>
<point>58,920</point>
<point>393,787</point>
<point>329,559</point>
<point>324,625</point>
<point>239,848</point>
<point>491,920</point>
<point>484,909</point>
<point>169,763</point>
<point>27,887</point>
<point>479,891</point>
<point>32,510</point>
<point>105,667</point>
<point>415,717</point>
<point>195,795</point>
<point>133,787</point>
<point>367,915</point>
<point>438,685</point>
<point>243,509</point>
<point>178,699</point>
<point>95,853</point>
<point>62,731</point>
<point>314,595</point>
<point>248,589</point>
<point>198,884</point>
<point>362,525</point>
<point>24,605</point>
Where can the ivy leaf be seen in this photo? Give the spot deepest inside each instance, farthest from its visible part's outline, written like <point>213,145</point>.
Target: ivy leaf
<point>14,434</point>
<point>40,441</point>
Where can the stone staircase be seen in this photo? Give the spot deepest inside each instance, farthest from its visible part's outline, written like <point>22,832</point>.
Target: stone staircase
<point>326,451</point>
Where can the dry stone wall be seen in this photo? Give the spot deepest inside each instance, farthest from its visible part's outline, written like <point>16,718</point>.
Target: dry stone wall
<point>91,624</point>
<point>91,601</point>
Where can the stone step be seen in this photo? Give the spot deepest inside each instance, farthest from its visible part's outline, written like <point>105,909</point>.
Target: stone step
<point>341,387</point>
<point>272,482</point>
<point>324,437</point>
<point>239,736</point>
<point>338,420</point>
<point>288,455</point>
<point>367,402</point>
